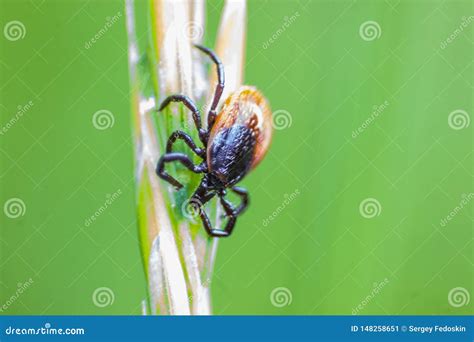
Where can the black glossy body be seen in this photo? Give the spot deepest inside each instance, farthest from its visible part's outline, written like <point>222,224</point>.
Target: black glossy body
<point>227,161</point>
<point>230,154</point>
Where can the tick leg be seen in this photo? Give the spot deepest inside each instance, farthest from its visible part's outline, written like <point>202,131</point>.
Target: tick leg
<point>178,157</point>
<point>231,214</point>
<point>216,232</point>
<point>244,195</point>
<point>211,116</point>
<point>187,139</point>
<point>201,196</point>
<point>191,106</point>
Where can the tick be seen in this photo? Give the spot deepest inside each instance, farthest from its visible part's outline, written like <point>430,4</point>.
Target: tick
<point>233,143</point>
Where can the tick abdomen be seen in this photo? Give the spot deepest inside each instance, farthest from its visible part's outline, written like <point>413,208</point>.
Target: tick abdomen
<point>230,153</point>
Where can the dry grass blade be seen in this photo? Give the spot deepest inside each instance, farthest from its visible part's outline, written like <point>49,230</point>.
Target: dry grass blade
<point>178,256</point>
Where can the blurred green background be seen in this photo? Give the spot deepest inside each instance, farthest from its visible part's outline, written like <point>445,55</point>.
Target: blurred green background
<point>413,158</point>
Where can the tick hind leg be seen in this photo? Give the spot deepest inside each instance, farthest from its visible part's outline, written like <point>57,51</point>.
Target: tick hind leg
<point>176,157</point>
<point>217,232</point>
<point>201,196</point>
<point>244,196</point>
<point>211,116</point>
<point>230,212</point>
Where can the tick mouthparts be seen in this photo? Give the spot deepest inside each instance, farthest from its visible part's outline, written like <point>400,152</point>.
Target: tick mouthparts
<point>221,177</point>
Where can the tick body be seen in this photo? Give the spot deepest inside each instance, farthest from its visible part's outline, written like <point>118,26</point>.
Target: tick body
<point>234,142</point>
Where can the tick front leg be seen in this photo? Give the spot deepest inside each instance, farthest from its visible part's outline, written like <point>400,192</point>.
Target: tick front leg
<point>187,139</point>
<point>192,107</point>
<point>220,84</point>
<point>176,157</point>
